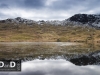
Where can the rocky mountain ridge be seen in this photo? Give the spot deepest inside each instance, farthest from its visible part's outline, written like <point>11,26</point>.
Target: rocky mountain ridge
<point>92,20</point>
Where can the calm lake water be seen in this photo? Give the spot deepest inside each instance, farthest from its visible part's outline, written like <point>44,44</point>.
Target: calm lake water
<point>54,67</point>
<point>49,58</point>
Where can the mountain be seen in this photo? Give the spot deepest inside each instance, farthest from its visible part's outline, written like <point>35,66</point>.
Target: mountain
<point>89,19</point>
<point>18,20</point>
<point>92,20</point>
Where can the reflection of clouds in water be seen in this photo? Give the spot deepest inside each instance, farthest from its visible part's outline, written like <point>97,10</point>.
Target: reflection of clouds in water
<point>54,67</point>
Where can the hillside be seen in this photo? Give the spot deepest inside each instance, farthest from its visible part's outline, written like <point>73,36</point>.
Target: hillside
<point>10,32</point>
<point>78,28</point>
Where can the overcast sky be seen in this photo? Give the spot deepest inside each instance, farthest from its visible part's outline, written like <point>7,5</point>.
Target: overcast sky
<point>47,9</point>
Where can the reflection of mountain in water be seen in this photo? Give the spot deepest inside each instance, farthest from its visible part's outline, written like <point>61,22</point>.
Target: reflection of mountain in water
<point>54,67</point>
<point>92,58</point>
<point>89,59</point>
<point>79,54</point>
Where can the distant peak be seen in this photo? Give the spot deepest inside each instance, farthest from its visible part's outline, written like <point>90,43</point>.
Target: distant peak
<point>18,17</point>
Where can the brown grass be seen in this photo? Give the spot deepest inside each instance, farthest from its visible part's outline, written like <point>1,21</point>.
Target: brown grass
<point>47,33</point>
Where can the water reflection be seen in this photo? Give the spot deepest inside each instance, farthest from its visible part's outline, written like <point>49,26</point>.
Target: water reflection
<point>55,67</point>
<point>77,53</point>
<point>50,58</point>
<point>21,50</point>
<point>86,59</point>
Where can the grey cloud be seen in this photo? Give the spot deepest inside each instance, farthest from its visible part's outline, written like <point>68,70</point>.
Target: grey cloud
<point>29,73</point>
<point>2,15</point>
<point>34,3</point>
<point>2,6</point>
<point>10,3</point>
<point>30,4</point>
<point>75,5</point>
<point>69,7</point>
<point>66,4</point>
<point>57,5</point>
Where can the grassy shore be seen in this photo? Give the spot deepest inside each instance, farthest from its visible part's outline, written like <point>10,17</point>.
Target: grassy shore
<point>47,33</point>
